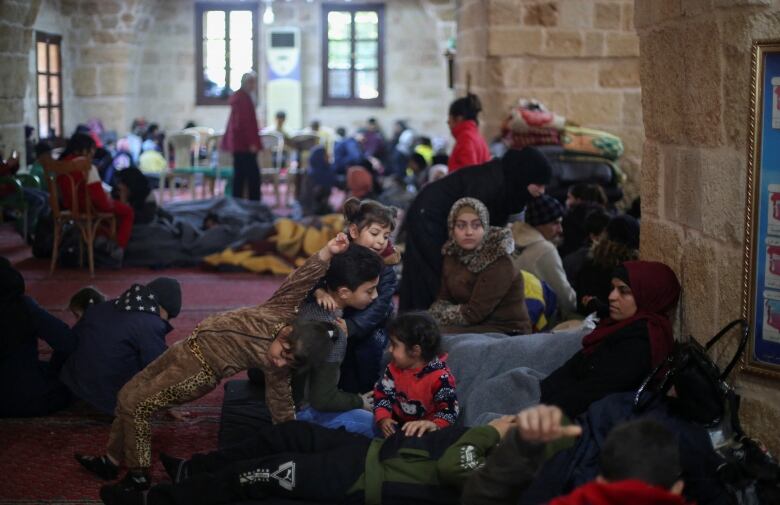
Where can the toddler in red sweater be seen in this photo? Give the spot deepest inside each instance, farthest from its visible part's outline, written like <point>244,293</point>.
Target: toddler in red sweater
<point>417,390</point>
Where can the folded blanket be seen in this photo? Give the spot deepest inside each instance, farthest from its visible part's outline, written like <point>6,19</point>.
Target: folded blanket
<point>498,374</point>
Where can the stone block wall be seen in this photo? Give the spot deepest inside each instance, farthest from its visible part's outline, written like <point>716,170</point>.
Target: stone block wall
<point>695,64</point>
<point>128,58</point>
<point>580,58</point>
<point>16,40</point>
<point>415,71</point>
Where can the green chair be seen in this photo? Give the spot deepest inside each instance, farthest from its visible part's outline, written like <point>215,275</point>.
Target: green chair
<point>11,189</point>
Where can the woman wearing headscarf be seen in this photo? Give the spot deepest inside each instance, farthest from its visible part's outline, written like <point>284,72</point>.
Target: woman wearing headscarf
<point>503,185</point>
<point>481,291</point>
<point>29,386</point>
<point>623,349</point>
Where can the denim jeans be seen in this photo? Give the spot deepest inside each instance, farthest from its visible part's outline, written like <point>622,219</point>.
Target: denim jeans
<point>354,421</point>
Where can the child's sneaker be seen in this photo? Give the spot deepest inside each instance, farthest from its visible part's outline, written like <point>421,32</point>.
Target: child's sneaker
<point>100,466</point>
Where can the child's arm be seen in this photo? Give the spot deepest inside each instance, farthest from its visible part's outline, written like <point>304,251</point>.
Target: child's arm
<point>324,392</point>
<point>384,398</point>
<point>278,395</point>
<point>362,323</point>
<point>445,399</point>
<point>298,284</point>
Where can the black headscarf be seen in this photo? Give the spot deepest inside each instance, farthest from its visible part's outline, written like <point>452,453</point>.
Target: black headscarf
<point>522,167</point>
<point>16,319</point>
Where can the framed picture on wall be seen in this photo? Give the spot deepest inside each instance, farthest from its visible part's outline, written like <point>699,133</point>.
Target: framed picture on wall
<point>761,272</point>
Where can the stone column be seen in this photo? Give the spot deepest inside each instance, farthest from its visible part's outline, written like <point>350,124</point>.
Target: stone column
<point>579,57</point>
<point>16,18</point>
<point>695,73</point>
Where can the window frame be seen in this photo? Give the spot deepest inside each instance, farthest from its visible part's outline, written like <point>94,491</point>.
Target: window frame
<point>50,39</point>
<point>200,8</point>
<point>353,100</point>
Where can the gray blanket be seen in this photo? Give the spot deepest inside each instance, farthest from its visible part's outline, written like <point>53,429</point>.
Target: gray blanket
<point>176,238</point>
<point>497,374</point>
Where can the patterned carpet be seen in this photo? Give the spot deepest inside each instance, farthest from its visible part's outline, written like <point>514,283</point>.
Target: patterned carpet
<point>36,454</point>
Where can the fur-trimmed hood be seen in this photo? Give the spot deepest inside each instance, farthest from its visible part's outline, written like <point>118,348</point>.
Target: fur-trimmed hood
<point>497,242</point>
<point>610,254</point>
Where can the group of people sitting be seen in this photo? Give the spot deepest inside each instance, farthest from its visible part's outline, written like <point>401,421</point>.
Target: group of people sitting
<point>364,404</point>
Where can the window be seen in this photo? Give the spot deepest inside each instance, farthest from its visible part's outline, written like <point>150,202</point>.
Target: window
<point>48,72</point>
<point>353,54</point>
<point>226,36</point>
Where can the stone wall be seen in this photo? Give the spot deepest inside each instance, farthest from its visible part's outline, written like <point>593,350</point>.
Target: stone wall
<point>16,40</point>
<point>695,72</point>
<point>578,57</point>
<point>415,71</point>
<point>129,58</point>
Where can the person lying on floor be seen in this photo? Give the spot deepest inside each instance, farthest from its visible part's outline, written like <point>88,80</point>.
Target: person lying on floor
<point>118,338</point>
<point>267,336</point>
<point>417,390</point>
<point>624,347</point>
<point>640,463</point>
<point>298,460</point>
<point>29,386</point>
<point>481,290</point>
<point>350,283</point>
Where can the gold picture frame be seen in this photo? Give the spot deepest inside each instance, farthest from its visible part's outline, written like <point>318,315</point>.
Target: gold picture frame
<point>761,264</point>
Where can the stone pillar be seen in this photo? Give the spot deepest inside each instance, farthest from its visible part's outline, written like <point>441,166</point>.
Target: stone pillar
<point>579,57</point>
<point>16,18</point>
<point>105,39</point>
<point>695,73</point>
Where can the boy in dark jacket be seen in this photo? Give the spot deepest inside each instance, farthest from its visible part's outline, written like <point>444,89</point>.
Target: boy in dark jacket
<point>640,463</point>
<point>118,338</point>
<point>351,283</point>
<point>304,461</point>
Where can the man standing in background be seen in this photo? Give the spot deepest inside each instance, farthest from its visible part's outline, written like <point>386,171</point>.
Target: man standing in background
<point>242,138</point>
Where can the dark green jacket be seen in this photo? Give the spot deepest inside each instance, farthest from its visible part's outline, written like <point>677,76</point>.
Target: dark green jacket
<point>423,470</point>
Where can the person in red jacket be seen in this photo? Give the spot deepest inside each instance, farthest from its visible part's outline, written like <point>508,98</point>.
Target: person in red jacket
<point>242,138</point>
<point>417,390</point>
<point>81,145</point>
<point>470,148</point>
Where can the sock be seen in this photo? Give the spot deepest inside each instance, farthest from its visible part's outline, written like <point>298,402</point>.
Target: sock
<point>99,465</point>
<point>176,468</point>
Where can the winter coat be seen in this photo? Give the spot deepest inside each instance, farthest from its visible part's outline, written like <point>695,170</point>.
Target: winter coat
<point>242,131</point>
<point>414,394</point>
<point>469,149</point>
<point>619,363</point>
<point>362,323</point>
<point>114,344</point>
<point>539,256</point>
<point>481,291</point>
<point>423,470</point>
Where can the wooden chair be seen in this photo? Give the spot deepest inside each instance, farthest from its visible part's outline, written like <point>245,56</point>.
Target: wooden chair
<point>183,146</point>
<point>80,214</point>
<point>302,143</point>
<point>270,160</point>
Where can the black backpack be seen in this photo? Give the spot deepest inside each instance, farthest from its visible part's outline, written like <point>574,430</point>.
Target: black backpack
<point>702,395</point>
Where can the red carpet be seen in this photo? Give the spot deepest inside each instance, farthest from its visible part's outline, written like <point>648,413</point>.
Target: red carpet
<point>36,454</point>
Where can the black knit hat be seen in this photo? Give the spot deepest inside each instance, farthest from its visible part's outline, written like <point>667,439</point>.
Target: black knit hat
<point>542,210</point>
<point>168,294</point>
<point>624,229</point>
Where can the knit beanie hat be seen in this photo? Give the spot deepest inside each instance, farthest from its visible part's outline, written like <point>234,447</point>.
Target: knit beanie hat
<point>542,210</point>
<point>168,294</point>
<point>624,229</point>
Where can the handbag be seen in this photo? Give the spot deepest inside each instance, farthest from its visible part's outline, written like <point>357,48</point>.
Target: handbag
<point>701,393</point>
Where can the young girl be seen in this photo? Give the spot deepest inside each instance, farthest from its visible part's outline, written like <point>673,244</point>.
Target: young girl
<point>470,148</point>
<point>481,291</point>
<point>417,390</point>
<point>91,190</point>
<point>369,224</point>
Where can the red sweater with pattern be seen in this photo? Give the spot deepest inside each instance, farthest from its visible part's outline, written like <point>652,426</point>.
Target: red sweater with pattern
<point>413,394</point>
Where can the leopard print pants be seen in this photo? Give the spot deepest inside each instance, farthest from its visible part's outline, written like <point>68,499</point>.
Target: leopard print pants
<point>178,376</point>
